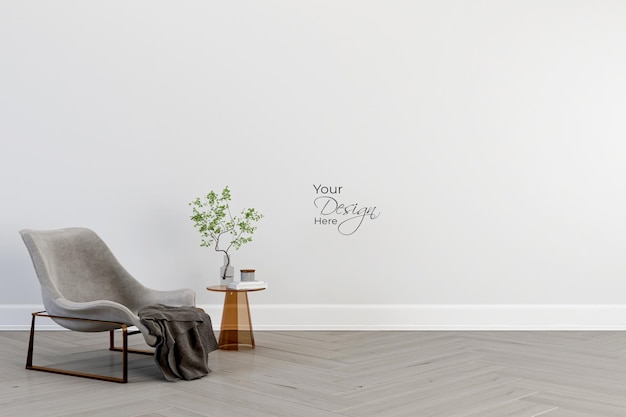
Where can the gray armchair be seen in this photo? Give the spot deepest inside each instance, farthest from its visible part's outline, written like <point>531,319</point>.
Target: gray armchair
<point>84,288</point>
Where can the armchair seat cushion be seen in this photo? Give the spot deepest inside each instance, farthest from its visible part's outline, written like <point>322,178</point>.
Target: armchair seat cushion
<point>80,277</point>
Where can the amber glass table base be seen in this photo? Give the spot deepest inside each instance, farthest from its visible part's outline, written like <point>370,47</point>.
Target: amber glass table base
<point>236,328</point>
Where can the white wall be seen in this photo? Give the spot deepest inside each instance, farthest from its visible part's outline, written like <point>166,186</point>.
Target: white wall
<point>489,135</point>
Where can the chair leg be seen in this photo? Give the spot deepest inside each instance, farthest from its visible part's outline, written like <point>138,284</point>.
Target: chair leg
<point>129,350</point>
<point>124,350</point>
<point>31,342</point>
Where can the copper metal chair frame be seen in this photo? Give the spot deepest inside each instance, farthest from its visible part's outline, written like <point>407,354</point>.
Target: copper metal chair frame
<point>124,349</point>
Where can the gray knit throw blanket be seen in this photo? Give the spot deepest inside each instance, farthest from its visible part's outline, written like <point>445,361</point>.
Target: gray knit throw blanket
<point>185,338</point>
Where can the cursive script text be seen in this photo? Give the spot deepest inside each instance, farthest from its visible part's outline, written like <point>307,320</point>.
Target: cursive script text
<point>353,214</point>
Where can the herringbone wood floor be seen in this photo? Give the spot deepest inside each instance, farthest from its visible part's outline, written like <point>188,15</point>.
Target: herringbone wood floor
<point>302,374</point>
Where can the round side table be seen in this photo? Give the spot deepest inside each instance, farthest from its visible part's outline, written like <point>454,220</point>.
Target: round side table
<point>236,327</point>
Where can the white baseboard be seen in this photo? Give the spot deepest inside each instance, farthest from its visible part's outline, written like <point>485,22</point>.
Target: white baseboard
<point>395,317</point>
<point>439,317</point>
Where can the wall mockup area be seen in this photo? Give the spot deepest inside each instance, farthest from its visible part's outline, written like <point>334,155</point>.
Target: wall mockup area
<point>419,164</point>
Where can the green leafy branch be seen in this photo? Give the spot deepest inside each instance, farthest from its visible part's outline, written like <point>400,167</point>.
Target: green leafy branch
<point>218,227</point>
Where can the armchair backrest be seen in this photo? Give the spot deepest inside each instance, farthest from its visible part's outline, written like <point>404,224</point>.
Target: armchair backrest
<point>75,264</point>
